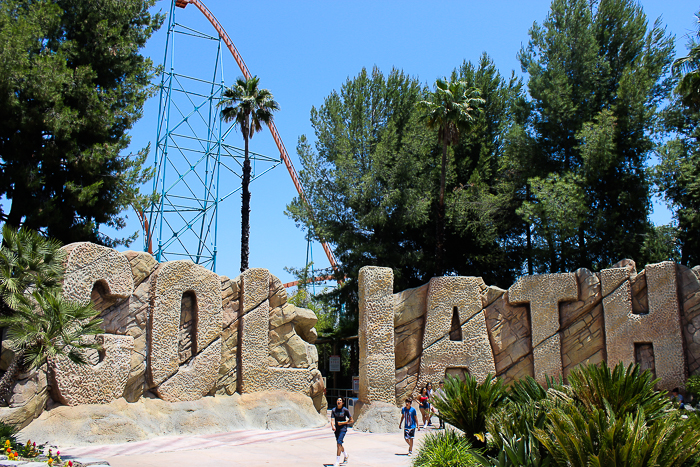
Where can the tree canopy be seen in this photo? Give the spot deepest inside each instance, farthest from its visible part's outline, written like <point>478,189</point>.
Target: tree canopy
<point>677,176</point>
<point>373,179</point>
<point>547,181</point>
<point>72,83</point>
<point>597,74</point>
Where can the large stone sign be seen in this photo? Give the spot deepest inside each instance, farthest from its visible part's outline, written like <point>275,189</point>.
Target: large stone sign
<point>543,325</point>
<point>176,330</point>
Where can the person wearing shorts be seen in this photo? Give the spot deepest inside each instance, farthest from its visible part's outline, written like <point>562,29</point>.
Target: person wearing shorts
<point>408,413</point>
<point>340,419</point>
<point>424,406</point>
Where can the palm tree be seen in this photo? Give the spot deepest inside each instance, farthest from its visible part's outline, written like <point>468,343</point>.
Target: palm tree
<point>689,86</point>
<point>450,109</point>
<point>44,325</point>
<point>248,107</point>
<point>27,260</point>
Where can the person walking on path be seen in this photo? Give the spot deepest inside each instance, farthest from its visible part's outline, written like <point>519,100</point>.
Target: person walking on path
<point>440,393</point>
<point>429,390</point>
<point>424,406</point>
<point>340,419</point>
<point>408,413</point>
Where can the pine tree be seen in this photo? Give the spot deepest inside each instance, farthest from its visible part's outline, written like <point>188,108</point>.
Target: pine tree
<point>597,74</point>
<point>72,83</point>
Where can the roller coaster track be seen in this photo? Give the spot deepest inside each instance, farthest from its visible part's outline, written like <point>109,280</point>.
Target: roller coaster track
<point>273,129</point>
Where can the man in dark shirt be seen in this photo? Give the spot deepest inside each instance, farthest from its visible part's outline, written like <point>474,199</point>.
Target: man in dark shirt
<point>340,419</point>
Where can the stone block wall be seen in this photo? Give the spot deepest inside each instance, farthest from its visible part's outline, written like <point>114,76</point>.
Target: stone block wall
<point>172,330</point>
<point>651,318</point>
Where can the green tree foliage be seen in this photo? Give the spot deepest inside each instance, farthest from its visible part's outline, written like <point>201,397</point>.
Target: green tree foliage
<point>449,110</point>
<point>597,73</point>
<point>248,107</point>
<point>45,325</point>
<point>689,66</point>
<point>72,83</point>
<point>373,181</point>
<point>27,260</point>
<point>677,176</point>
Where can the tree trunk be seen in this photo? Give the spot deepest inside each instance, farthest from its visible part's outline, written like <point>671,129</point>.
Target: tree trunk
<point>440,234</point>
<point>10,375</point>
<point>245,207</point>
<point>529,235</point>
<point>14,217</point>
<point>582,248</point>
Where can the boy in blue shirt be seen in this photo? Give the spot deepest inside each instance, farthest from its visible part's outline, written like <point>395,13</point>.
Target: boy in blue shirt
<point>408,413</point>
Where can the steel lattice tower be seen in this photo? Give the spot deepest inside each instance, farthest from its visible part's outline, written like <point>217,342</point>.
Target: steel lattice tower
<point>195,168</point>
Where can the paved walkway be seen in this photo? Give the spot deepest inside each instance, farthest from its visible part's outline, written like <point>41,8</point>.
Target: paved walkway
<point>309,447</point>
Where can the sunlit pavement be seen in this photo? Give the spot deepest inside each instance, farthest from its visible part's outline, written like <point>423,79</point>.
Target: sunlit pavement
<point>310,447</point>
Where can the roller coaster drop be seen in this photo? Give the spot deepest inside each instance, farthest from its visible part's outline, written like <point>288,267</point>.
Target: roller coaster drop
<point>191,156</point>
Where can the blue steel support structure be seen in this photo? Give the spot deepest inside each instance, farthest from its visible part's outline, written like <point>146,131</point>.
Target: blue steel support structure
<point>194,166</point>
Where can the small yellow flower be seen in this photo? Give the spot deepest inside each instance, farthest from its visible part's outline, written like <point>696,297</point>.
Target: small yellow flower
<point>50,461</point>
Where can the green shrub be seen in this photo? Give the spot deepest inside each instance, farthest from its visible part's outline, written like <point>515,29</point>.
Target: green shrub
<point>625,391</point>
<point>512,426</point>
<point>467,404</point>
<point>581,438</point>
<point>8,432</point>
<point>444,449</point>
<point>604,417</point>
<point>692,385</point>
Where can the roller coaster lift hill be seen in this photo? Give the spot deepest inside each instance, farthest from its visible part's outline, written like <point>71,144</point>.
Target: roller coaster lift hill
<point>192,157</point>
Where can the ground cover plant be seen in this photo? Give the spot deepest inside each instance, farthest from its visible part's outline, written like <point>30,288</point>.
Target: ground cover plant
<point>602,417</point>
<point>445,449</point>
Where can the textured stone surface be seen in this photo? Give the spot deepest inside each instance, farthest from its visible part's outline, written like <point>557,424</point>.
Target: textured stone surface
<point>644,356</point>
<point>544,293</point>
<point>120,422</point>
<point>409,321</point>
<point>28,398</point>
<point>575,333</point>
<point>689,297</point>
<point>94,384</point>
<point>509,328</point>
<point>304,322</point>
<point>473,353</point>
<point>194,379</point>
<point>256,372</point>
<point>378,417</point>
<point>661,327</point>
<point>227,382</point>
<point>582,333</point>
<point>171,281</point>
<point>406,381</point>
<point>376,335</point>
<point>87,263</point>
<point>142,265</point>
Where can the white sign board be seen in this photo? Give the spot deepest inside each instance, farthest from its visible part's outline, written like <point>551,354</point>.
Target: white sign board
<point>356,384</point>
<point>334,363</point>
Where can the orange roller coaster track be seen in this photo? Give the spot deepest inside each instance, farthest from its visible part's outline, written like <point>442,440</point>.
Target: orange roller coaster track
<point>273,129</point>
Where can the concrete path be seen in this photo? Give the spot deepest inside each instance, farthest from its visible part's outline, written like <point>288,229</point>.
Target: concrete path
<point>310,447</point>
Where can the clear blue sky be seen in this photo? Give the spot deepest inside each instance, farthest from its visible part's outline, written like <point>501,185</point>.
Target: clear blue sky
<point>302,50</point>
